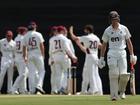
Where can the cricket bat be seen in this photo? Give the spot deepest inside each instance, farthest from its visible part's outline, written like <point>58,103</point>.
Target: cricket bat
<point>132,80</point>
<point>71,81</point>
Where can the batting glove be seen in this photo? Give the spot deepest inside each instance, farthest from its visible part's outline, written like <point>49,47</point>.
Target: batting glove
<point>101,63</point>
<point>133,59</point>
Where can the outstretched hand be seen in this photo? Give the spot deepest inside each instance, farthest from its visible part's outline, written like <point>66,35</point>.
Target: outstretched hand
<point>71,30</point>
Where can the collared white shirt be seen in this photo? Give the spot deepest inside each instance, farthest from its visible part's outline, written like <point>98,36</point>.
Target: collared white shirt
<point>7,48</point>
<point>32,40</point>
<point>91,42</point>
<point>116,38</point>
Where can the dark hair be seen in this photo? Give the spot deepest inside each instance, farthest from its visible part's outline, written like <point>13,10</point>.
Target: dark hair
<point>113,15</point>
<point>89,27</point>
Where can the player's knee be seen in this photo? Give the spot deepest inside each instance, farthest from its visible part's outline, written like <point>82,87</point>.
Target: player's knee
<point>125,77</point>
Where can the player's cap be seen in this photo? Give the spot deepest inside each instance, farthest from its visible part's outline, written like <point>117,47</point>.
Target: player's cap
<point>114,15</point>
<point>54,28</point>
<point>9,33</point>
<point>60,28</point>
<point>22,30</point>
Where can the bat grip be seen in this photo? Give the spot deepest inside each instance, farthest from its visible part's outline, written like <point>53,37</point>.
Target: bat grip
<point>132,67</point>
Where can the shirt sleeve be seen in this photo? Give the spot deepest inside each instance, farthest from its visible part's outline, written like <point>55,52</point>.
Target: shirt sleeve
<point>128,35</point>
<point>67,49</point>
<point>41,38</point>
<point>81,38</point>
<point>105,37</point>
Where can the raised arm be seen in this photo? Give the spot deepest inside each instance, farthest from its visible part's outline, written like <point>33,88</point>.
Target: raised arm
<point>76,39</point>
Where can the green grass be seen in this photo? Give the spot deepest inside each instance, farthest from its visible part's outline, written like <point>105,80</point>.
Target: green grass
<point>65,100</point>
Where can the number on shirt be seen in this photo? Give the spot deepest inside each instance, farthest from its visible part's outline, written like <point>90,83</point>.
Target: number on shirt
<point>32,42</point>
<point>57,44</point>
<point>18,45</point>
<point>93,45</point>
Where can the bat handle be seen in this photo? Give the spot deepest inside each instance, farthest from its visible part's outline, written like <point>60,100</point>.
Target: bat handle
<point>132,67</point>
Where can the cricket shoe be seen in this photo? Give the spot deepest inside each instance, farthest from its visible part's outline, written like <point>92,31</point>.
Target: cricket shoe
<point>15,92</point>
<point>122,95</point>
<point>39,90</point>
<point>54,93</point>
<point>63,91</point>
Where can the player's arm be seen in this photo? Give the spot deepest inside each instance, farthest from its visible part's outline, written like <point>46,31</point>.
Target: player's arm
<point>76,39</point>
<point>103,49</point>
<point>73,36</point>
<point>130,46</point>
<point>69,52</point>
<point>100,46</point>
<point>42,49</point>
<point>133,58</point>
<point>25,53</point>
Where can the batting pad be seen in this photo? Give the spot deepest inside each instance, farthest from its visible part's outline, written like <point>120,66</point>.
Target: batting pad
<point>124,78</point>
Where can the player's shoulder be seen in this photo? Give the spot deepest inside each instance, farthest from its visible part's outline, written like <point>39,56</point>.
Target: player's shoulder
<point>121,26</point>
<point>4,39</point>
<point>107,29</point>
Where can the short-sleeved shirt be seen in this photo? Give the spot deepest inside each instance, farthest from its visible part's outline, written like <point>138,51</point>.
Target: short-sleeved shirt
<point>91,42</point>
<point>116,38</point>
<point>59,43</point>
<point>19,45</point>
<point>7,48</point>
<point>32,41</point>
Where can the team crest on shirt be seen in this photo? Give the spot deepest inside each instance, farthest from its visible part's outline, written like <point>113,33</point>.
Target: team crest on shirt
<point>120,32</point>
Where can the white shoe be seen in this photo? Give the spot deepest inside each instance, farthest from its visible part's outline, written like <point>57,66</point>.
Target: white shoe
<point>15,92</point>
<point>81,93</point>
<point>122,95</point>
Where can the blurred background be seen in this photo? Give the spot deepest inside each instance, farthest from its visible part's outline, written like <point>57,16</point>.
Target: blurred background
<point>46,13</point>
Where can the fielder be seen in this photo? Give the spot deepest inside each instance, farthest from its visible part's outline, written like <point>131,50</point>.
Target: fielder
<point>33,53</point>
<point>51,62</point>
<point>117,35</point>
<point>58,50</point>
<point>7,46</point>
<point>64,79</point>
<point>21,81</point>
<point>90,71</point>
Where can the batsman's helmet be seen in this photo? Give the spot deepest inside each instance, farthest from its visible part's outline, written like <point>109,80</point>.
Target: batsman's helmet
<point>113,15</point>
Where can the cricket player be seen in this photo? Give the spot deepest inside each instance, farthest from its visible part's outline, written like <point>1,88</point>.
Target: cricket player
<point>7,46</point>
<point>33,53</point>
<point>90,75</point>
<point>53,33</point>
<point>64,79</point>
<point>21,81</point>
<point>58,51</point>
<point>117,35</point>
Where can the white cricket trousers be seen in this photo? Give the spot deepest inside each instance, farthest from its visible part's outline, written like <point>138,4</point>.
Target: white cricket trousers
<point>117,63</point>
<point>91,76</point>
<point>36,72</point>
<point>21,80</point>
<point>6,66</point>
<point>59,67</point>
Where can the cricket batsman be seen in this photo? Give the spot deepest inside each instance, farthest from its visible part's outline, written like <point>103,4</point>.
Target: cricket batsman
<point>118,37</point>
